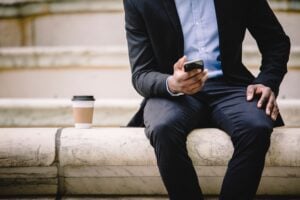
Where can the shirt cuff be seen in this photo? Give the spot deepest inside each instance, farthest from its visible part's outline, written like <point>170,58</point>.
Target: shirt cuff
<point>169,91</point>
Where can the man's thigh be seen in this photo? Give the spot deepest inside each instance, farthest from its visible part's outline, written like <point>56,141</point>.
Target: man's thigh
<point>182,114</point>
<point>234,114</point>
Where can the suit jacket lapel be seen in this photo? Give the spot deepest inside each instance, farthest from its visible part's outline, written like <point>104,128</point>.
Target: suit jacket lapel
<point>221,9</point>
<point>171,11</point>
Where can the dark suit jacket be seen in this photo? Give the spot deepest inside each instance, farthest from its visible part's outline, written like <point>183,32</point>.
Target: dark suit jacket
<point>155,43</point>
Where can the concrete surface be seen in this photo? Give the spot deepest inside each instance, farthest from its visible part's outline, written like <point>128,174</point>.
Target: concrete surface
<point>105,83</point>
<point>88,23</point>
<point>27,147</point>
<point>28,181</point>
<point>58,112</point>
<point>115,161</point>
<point>108,112</point>
<point>26,161</point>
<point>46,73</point>
<point>207,147</point>
<point>10,32</point>
<point>101,57</point>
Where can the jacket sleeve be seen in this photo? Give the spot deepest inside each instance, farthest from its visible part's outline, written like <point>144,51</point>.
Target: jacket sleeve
<point>273,43</point>
<point>146,79</point>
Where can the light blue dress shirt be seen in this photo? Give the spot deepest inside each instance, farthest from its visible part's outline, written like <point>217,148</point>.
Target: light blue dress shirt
<point>200,31</point>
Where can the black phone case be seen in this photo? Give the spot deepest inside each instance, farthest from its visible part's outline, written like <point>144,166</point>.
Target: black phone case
<point>194,65</point>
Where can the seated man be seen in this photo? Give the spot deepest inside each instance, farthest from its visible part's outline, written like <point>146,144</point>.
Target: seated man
<point>225,95</point>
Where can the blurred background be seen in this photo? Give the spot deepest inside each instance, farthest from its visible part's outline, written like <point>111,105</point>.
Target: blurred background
<point>51,50</point>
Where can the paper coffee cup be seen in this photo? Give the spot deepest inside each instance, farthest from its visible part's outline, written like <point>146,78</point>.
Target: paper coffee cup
<point>83,110</point>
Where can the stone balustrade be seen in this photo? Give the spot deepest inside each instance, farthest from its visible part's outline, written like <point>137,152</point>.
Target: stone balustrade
<point>108,112</point>
<point>120,161</point>
<point>102,57</point>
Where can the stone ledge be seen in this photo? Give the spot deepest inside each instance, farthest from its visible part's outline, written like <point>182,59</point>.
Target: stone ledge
<point>207,147</point>
<point>112,57</point>
<point>58,112</point>
<point>108,112</point>
<point>115,161</point>
<point>27,157</point>
<point>27,147</point>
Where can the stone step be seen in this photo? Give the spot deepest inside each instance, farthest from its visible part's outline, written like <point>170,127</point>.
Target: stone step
<point>58,112</point>
<point>120,161</point>
<point>25,8</point>
<point>84,23</point>
<point>60,72</point>
<point>108,112</point>
<point>29,8</point>
<point>101,57</point>
<point>289,5</point>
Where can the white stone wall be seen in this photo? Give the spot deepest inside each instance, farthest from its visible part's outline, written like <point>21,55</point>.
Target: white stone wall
<point>82,22</point>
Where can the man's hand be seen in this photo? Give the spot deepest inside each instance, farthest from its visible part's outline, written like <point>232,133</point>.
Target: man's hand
<point>186,82</point>
<point>267,98</point>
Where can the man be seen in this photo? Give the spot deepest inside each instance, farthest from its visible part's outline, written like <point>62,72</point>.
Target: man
<point>225,95</point>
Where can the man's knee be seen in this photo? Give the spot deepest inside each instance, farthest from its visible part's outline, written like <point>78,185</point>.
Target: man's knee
<point>168,142</point>
<point>263,132</point>
<point>161,132</point>
<point>260,128</point>
<point>256,133</point>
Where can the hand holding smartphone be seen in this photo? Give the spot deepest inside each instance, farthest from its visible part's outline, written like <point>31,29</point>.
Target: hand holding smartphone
<point>194,64</point>
<point>187,83</point>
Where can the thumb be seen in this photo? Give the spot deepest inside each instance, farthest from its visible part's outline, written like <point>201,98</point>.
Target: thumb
<point>250,92</point>
<point>180,63</point>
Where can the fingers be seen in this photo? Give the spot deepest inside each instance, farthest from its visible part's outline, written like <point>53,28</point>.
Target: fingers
<point>196,86</point>
<point>192,73</point>
<point>275,112</point>
<point>259,89</point>
<point>190,86</point>
<point>190,77</point>
<point>265,96</point>
<point>179,66</point>
<point>180,63</point>
<point>186,82</point>
<point>195,77</point>
<point>271,104</point>
<point>272,107</point>
<point>250,92</point>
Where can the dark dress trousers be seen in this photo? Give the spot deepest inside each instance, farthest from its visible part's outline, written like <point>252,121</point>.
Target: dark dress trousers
<point>155,43</point>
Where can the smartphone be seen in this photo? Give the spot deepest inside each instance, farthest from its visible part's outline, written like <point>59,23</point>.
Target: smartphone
<point>194,64</point>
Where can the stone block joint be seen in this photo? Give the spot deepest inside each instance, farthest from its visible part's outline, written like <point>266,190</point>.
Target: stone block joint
<point>60,171</point>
